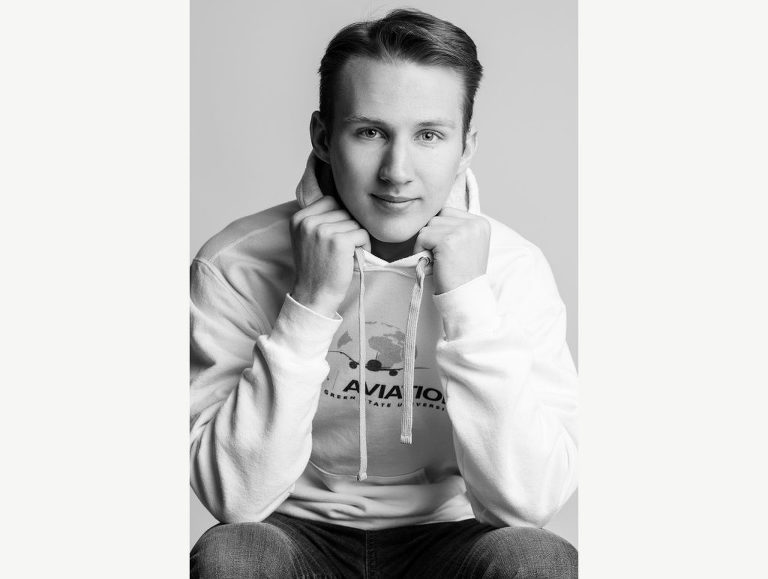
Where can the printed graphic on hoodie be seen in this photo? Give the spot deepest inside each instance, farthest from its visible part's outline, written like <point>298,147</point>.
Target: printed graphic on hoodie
<point>384,369</point>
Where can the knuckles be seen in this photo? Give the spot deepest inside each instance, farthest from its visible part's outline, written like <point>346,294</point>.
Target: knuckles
<point>336,242</point>
<point>307,225</point>
<point>316,209</point>
<point>321,231</point>
<point>476,228</point>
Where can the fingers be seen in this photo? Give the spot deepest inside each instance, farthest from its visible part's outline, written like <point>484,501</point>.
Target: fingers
<point>337,228</point>
<point>343,238</point>
<point>332,216</point>
<point>325,230</point>
<point>326,205</point>
<point>360,238</point>
<point>324,221</point>
<point>452,212</point>
<point>435,229</point>
<point>447,224</point>
<point>426,239</point>
<point>313,222</point>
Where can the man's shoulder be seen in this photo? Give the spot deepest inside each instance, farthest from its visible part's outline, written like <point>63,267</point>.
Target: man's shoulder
<point>250,263</point>
<point>260,236</point>
<point>516,266</point>
<point>506,243</point>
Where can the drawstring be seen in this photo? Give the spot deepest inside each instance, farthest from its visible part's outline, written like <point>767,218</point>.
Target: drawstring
<point>409,356</point>
<point>362,475</point>
<point>409,359</point>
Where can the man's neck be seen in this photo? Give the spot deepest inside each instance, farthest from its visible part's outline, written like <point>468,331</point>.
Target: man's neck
<point>392,251</point>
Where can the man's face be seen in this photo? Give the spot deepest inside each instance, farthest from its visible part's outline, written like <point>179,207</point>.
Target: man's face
<point>396,144</point>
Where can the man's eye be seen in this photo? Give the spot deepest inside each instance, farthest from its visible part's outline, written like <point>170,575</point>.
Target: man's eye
<point>368,133</point>
<point>430,136</point>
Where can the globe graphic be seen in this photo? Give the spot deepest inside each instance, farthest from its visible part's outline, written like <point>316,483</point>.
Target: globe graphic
<point>385,349</point>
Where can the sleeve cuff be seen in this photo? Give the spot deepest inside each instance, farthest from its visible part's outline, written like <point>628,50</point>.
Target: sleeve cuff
<point>307,333</point>
<point>468,309</point>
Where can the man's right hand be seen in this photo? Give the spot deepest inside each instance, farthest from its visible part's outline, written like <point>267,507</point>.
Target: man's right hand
<point>324,238</point>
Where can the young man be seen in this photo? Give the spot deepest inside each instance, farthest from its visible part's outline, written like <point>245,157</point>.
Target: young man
<point>380,381</point>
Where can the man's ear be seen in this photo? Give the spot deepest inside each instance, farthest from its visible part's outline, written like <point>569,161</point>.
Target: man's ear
<point>320,137</point>
<point>470,148</point>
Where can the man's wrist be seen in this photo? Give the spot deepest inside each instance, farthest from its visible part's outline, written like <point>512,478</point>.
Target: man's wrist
<point>468,309</point>
<point>445,286</point>
<point>306,332</point>
<point>324,307</point>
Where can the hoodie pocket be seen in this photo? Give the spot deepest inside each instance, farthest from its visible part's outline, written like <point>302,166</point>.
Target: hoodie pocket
<point>340,483</point>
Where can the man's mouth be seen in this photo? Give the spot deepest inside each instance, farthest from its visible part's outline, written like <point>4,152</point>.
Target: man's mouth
<point>393,204</point>
<point>393,199</point>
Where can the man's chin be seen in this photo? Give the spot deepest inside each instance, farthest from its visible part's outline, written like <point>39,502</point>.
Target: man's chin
<point>393,238</point>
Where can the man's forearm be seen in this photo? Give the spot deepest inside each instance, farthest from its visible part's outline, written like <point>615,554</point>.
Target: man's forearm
<point>250,448</point>
<point>512,402</point>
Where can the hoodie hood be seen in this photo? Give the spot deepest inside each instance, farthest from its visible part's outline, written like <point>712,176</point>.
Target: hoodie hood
<point>463,196</point>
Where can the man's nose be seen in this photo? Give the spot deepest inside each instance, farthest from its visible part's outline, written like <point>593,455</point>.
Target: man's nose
<point>396,167</point>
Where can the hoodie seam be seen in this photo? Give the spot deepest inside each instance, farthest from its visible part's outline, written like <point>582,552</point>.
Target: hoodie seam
<point>241,239</point>
<point>216,275</point>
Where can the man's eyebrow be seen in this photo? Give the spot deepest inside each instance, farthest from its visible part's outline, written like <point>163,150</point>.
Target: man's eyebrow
<point>351,119</point>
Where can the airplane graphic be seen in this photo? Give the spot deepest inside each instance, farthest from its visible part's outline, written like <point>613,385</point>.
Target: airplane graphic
<point>374,365</point>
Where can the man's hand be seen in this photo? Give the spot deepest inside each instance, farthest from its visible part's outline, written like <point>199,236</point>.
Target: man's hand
<point>459,242</point>
<point>324,238</point>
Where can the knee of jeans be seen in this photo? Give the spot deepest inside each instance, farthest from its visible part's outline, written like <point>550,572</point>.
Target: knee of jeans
<point>526,553</point>
<point>241,550</point>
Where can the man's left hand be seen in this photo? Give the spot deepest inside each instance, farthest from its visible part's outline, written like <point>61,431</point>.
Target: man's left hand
<point>459,243</point>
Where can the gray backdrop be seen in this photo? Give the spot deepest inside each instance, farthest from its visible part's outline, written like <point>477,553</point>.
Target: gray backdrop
<point>254,85</point>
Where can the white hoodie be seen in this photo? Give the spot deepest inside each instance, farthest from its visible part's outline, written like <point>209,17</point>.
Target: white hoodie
<point>277,422</point>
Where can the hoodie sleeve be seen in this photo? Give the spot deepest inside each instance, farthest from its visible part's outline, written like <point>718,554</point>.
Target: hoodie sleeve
<point>254,393</point>
<point>511,393</point>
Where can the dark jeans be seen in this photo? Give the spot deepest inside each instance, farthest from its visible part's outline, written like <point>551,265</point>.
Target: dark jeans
<point>283,546</point>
